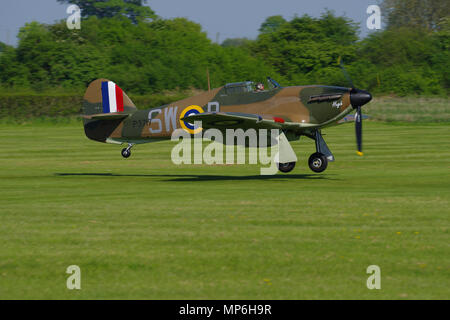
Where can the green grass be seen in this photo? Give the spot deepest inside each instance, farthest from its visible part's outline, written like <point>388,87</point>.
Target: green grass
<point>143,228</point>
<point>409,109</point>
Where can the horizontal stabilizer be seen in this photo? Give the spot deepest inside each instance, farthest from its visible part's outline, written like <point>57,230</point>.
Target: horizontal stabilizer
<point>107,116</point>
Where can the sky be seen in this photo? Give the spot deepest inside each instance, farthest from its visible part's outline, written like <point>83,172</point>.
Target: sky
<point>221,19</point>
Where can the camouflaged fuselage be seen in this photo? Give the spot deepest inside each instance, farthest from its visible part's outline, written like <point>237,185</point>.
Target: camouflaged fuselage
<point>299,105</point>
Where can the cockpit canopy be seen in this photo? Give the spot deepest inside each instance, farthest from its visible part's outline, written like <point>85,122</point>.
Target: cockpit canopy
<point>239,87</point>
<point>250,86</point>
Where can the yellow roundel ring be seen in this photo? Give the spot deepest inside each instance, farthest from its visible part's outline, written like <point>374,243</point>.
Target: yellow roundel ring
<point>188,111</point>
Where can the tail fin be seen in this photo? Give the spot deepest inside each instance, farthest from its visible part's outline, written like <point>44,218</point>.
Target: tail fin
<point>105,106</point>
<point>104,96</point>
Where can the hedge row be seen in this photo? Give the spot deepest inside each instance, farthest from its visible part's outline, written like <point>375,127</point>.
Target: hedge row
<point>31,105</point>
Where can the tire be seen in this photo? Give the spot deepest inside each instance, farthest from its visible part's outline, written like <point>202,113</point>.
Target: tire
<point>317,162</point>
<point>286,167</point>
<point>126,153</point>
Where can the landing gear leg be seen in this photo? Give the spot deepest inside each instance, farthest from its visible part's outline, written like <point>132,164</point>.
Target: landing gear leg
<point>318,161</point>
<point>126,152</point>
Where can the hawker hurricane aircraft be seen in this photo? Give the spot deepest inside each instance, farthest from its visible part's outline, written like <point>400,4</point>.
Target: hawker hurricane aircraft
<point>111,117</point>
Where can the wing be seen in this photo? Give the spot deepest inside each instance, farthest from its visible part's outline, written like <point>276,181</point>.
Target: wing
<point>235,120</point>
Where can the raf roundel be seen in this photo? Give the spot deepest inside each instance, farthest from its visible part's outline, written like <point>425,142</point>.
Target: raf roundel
<point>189,111</point>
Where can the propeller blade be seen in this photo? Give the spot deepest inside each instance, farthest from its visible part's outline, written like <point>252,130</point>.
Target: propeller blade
<point>358,131</point>
<point>341,64</point>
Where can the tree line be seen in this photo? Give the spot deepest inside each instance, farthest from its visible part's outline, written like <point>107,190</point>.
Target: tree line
<point>125,41</point>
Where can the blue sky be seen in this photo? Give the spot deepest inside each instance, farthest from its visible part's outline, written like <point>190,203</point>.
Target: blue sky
<point>230,18</point>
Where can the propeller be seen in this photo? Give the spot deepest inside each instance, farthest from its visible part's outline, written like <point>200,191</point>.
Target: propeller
<point>341,64</point>
<point>358,98</point>
<point>358,131</point>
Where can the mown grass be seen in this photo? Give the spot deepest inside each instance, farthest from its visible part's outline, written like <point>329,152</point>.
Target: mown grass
<point>143,228</point>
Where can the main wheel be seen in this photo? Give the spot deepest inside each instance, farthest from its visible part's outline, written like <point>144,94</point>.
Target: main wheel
<point>126,153</point>
<point>318,162</point>
<point>286,167</point>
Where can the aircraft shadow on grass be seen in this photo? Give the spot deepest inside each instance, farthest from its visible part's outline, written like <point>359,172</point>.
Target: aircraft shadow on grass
<point>195,177</point>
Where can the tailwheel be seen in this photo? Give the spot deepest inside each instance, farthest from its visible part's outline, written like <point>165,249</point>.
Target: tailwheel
<point>286,167</point>
<point>318,162</point>
<point>126,153</point>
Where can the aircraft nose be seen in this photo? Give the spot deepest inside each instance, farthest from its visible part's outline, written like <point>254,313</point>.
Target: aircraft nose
<point>359,98</point>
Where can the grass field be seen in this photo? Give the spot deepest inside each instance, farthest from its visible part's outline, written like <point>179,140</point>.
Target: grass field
<point>143,228</point>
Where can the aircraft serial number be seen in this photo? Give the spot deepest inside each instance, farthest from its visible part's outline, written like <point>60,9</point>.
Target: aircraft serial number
<point>139,123</point>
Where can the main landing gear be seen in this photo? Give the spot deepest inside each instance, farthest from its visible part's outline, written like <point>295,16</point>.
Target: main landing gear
<point>126,152</point>
<point>318,161</point>
<point>286,167</point>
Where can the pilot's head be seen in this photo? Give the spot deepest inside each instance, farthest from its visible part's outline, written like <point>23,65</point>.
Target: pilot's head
<point>259,86</point>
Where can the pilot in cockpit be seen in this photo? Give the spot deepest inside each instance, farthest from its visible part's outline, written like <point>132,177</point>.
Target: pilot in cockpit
<point>259,87</point>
